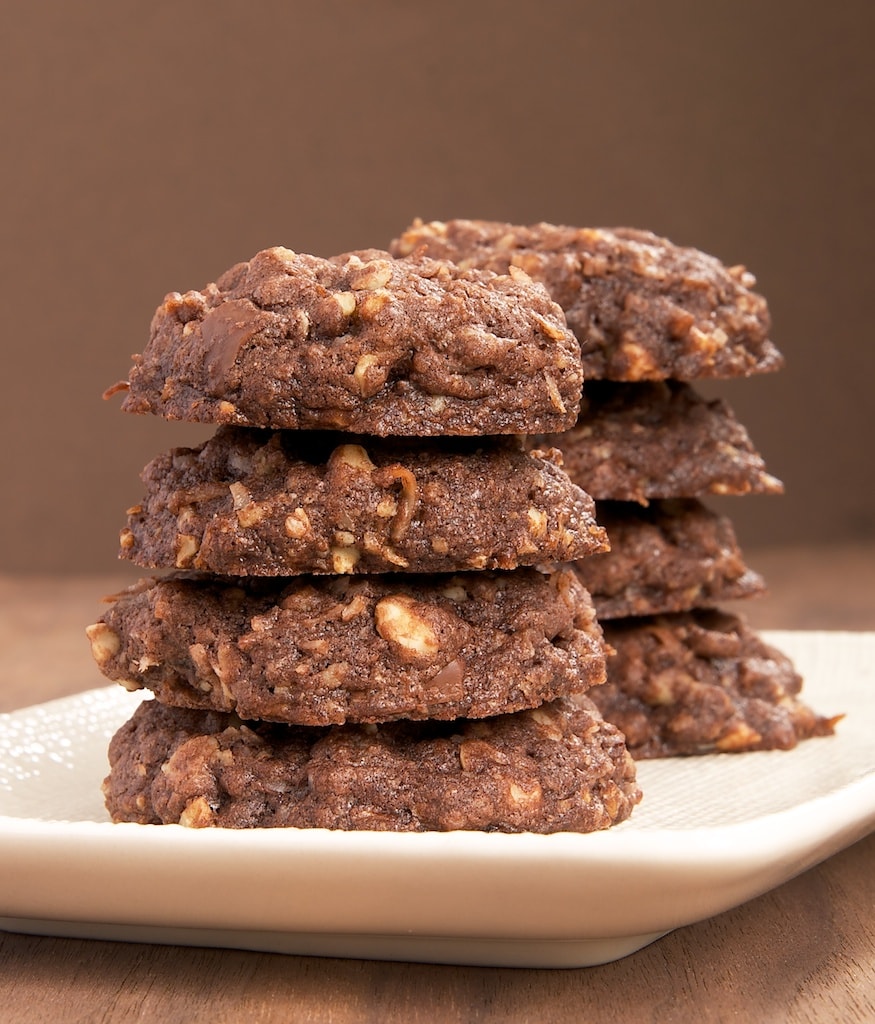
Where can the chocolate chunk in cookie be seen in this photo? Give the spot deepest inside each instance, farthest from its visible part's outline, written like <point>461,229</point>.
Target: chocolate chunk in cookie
<point>254,502</point>
<point>635,442</point>
<point>702,682</point>
<point>557,768</point>
<point>641,307</point>
<point>324,650</point>
<point>669,556</point>
<point>361,342</point>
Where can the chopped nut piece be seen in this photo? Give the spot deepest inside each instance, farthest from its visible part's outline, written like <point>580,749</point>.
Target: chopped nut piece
<point>546,721</point>
<point>303,319</point>
<point>525,797</point>
<point>740,737</point>
<point>552,330</point>
<point>373,275</point>
<point>344,559</point>
<point>399,620</point>
<point>346,301</point>
<point>476,754</point>
<point>371,303</point>
<point>186,549</point>
<point>369,375</point>
<point>537,522</point>
<point>387,508</point>
<point>105,642</point>
<point>355,607</point>
<point>554,393</point>
<point>251,515</point>
<point>334,675</point>
<point>297,524</point>
<point>197,814</point>
<point>240,494</point>
<point>394,557</point>
<point>353,455</point>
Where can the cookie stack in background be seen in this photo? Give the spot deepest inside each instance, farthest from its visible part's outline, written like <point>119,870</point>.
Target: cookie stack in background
<point>687,678</point>
<point>370,619</point>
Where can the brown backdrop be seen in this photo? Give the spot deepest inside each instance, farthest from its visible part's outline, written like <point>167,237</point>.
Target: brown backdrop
<point>149,146</point>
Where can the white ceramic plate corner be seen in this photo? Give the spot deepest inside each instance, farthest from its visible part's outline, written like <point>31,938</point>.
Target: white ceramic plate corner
<point>711,833</point>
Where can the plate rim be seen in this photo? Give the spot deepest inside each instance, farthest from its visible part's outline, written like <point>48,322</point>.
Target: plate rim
<point>709,859</point>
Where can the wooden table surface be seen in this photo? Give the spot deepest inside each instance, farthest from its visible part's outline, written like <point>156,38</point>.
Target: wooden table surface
<point>804,952</point>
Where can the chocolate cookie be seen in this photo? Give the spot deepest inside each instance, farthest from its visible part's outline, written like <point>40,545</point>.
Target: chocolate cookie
<point>556,768</point>
<point>641,307</point>
<point>253,502</point>
<point>669,556</point>
<point>361,342</point>
<point>325,650</point>
<point>702,682</point>
<point>635,442</point>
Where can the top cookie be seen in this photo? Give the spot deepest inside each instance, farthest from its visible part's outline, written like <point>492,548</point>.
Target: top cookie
<point>361,342</point>
<point>642,308</point>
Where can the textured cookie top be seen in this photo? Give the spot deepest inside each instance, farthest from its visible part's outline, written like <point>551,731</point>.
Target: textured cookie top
<point>668,556</point>
<point>642,308</point>
<point>322,650</point>
<point>702,682</point>
<point>257,502</point>
<point>634,442</point>
<point>557,768</point>
<point>361,342</point>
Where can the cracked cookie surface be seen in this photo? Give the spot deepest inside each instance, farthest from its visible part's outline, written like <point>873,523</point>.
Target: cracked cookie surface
<point>641,307</point>
<point>325,650</point>
<point>361,342</point>
<point>559,767</point>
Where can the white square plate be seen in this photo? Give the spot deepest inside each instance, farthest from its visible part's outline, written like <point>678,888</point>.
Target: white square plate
<point>711,833</point>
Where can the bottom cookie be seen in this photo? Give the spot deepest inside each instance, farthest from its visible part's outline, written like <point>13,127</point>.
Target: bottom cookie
<point>701,682</point>
<point>556,768</point>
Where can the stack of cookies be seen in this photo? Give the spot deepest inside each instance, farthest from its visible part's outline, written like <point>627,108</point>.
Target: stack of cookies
<point>369,616</point>
<point>687,677</point>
